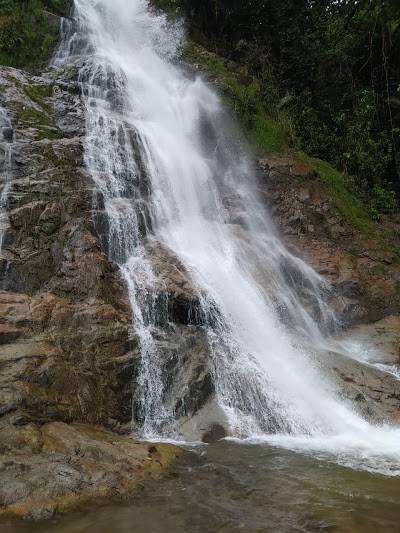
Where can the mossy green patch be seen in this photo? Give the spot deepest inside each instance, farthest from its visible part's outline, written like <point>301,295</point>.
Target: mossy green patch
<point>35,118</point>
<point>340,188</point>
<point>37,93</point>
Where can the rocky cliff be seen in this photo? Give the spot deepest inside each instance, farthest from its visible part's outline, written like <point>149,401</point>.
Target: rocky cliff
<point>67,353</point>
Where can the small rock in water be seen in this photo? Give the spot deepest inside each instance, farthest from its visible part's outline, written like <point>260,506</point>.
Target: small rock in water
<point>8,134</point>
<point>214,434</point>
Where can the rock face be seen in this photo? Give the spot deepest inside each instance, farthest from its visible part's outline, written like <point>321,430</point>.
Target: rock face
<point>371,392</point>
<point>383,339</point>
<point>365,276</point>
<point>67,349</point>
<point>57,467</point>
<point>66,352</point>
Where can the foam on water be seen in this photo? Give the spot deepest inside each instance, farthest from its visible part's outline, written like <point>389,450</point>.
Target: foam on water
<point>161,150</point>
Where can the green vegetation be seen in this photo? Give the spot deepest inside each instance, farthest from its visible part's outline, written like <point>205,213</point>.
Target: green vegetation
<point>40,119</point>
<point>37,92</point>
<point>267,128</point>
<point>27,34</point>
<point>334,68</point>
<point>340,189</point>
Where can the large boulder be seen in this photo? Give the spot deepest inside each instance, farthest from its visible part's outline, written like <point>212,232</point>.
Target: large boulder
<point>58,467</point>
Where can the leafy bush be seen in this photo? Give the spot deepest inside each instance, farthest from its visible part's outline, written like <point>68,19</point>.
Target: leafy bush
<point>27,35</point>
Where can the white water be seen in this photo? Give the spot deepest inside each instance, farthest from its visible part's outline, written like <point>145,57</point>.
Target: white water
<point>160,148</point>
<point>5,182</point>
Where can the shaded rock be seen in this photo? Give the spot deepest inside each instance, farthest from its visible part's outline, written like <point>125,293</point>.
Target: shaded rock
<point>214,434</point>
<point>8,134</point>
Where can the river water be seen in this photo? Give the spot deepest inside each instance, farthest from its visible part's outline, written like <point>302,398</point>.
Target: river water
<point>232,487</point>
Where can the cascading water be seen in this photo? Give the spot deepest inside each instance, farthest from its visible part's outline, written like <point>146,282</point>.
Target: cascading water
<point>5,147</point>
<point>160,149</point>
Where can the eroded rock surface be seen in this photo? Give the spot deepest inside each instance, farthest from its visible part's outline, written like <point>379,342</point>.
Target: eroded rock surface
<point>66,349</point>
<point>58,467</point>
<point>382,339</point>
<point>372,392</point>
<point>68,352</point>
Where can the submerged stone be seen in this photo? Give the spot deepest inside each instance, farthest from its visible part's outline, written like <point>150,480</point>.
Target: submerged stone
<point>214,434</point>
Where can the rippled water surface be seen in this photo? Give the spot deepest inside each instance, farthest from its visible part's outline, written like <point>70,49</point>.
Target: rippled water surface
<point>229,487</point>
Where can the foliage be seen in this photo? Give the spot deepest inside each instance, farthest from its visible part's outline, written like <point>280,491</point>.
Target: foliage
<point>335,65</point>
<point>27,35</point>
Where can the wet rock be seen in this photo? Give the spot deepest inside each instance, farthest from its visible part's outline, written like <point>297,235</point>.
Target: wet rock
<point>65,361</point>
<point>69,352</point>
<point>8,134</point>
<point>66,350</point>
<point>214,434</point>
<point>364,276</point>
<point>200,424</point>
<point>59,467</point>
<point>175,283</point>
<point>374,393</point>
<point>382,340</point>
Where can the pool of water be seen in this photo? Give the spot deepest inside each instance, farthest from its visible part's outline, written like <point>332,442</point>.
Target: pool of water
<point>229,487</point>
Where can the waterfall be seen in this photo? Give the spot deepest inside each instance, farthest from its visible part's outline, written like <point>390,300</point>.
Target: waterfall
<point>5,147</point>
<point>162,150</point>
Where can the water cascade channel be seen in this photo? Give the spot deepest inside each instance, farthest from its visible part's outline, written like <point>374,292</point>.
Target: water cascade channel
<point>5,147</point>
<point>173,174</point>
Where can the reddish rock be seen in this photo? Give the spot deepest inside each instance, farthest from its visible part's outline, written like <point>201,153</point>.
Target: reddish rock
<point>365,276</point>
